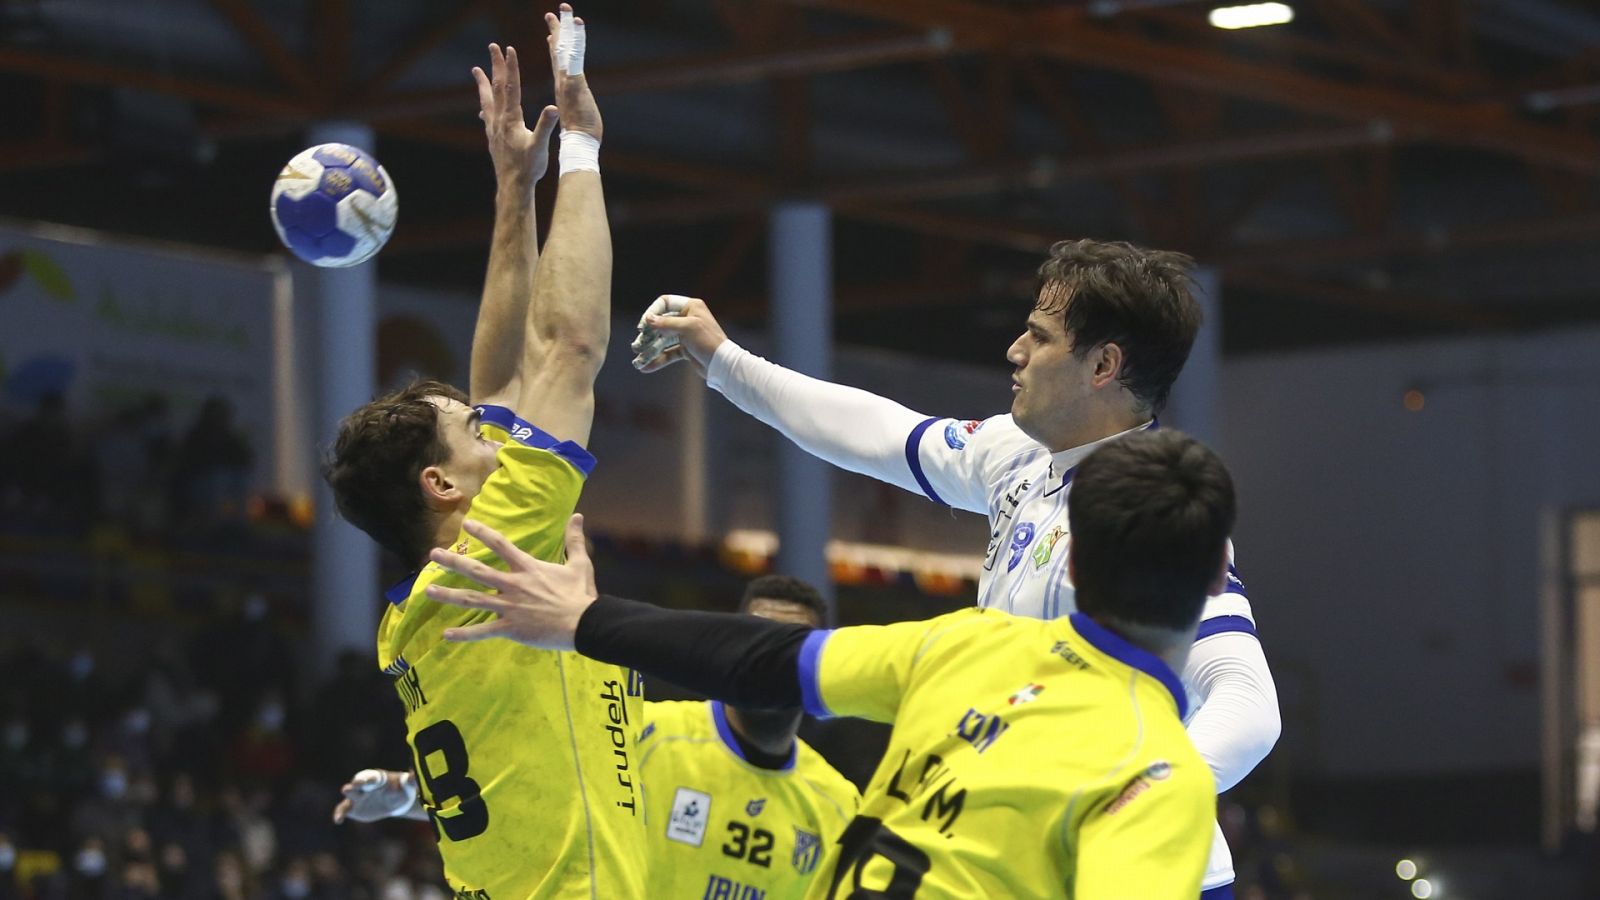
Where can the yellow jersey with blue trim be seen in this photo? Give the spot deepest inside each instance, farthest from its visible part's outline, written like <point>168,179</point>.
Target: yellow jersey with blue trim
<point>1028,759</point>
<point>525,758</point>
<point>720,827</point>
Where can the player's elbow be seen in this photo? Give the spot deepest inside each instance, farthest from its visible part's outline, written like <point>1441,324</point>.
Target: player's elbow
<point>577,351</point>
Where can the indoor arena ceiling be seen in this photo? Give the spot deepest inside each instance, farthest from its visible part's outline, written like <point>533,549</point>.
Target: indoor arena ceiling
<point>1372,170</point>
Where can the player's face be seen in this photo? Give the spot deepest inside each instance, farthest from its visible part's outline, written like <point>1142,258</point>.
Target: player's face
<point>783,611</point>
<point>472,456</point>
<point>1050,386</point>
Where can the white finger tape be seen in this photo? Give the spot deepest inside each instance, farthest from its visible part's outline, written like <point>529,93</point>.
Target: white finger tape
<point>571,44</point>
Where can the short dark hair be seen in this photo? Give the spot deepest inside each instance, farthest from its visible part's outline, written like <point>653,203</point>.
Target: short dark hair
<point>381,450</point>
<point>1150,516</point>
<point>787,589</point>
<point>1111,292</point>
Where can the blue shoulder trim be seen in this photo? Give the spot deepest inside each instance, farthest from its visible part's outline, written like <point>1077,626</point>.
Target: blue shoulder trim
<point>1118,648</point>
<point>528,435</point>
<point>1225,624</point>
<point>810,689</point>
<point>914,460</point>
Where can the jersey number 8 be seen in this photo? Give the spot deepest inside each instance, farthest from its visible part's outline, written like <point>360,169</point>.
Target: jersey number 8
<point>451,782</point>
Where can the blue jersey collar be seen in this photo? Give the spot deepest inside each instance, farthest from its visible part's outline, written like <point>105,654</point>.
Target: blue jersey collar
<point>1118,648</point>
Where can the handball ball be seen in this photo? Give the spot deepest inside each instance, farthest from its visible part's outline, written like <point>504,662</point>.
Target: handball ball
<point>334,206</point>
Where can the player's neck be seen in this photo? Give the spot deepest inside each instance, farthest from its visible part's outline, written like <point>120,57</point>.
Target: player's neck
<point>1098,422</point>
<point>449,528</point>
<point>1171,647</point>
<point>772,731</point>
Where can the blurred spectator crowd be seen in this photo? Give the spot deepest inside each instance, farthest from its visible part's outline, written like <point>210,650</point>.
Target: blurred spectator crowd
<point>139,469</point>
<point>193,773</point>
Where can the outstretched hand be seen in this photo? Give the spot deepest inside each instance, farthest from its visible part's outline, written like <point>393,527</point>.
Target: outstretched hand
<point>536,603</point>
<point>518,153</point>
<point>677,328</point>
<point>568,42</point>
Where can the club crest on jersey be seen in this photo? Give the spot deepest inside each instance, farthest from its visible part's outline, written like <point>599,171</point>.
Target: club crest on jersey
<point>461,548</point>
<point>1047,546</point>
<point>807,851</point>
<point>956,434</point>
<point>1021,537</point>
<point>691,810</point>
<point>754,807</point>
<point>1026,695</point>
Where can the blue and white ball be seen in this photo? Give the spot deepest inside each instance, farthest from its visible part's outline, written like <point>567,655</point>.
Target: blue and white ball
<point>334,206</point>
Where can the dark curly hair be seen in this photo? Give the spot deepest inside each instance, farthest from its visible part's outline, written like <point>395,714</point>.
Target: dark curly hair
<point>373,468</point>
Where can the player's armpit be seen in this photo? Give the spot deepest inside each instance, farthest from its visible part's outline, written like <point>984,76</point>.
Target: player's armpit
<point>1149,837</point>
<point>558,396</point>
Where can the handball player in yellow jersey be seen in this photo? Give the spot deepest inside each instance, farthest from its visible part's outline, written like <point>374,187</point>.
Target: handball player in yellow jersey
<point>1028,758</point>
<point>735,804</point>
<point>524,758</point>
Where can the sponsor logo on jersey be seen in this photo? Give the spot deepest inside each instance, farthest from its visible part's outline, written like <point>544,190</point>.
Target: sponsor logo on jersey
<point>1021,537</point>
<point>956,434</point>
<point>1047,546</point>
<point>1160,770</point>
<point>615,695</point>
<point>719,888</point>
<point>691,810</point>
<point>1026,695</point>
<point>1065,651</point>
<point>522,433</point>
<point>807,851</point>
<point>754,807</point>
<point>979,730</point>
<point>1007,508</point>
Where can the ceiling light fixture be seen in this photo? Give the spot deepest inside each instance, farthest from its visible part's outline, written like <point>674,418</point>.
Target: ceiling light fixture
<point>1253,15</point>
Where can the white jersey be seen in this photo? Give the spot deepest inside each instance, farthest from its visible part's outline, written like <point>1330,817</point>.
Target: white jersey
<point>991,467</point>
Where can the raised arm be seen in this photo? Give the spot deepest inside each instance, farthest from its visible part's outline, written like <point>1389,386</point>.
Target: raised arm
<point>569,321</point>
<point>851,428</point>
<point>520,157</point>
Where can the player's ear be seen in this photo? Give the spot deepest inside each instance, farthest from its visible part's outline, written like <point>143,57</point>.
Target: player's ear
<point>1109,360</point>
<point>437,486</point>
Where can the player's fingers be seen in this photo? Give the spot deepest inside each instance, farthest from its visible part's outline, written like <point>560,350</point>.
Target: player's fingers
<point>484,574</point>
<point>513,77</point>
<point>466,599</point>
<point>671,323</point>
<point>485,88</point>
<point>499,543</point>
<point>342,810</point>
<point>469,633</point>
<point>577,548</point>
<point>660,360</point>
<point>544,128</point>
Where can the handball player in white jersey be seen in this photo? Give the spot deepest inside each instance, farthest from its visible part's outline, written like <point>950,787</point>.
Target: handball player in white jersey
<point>1110,329</point>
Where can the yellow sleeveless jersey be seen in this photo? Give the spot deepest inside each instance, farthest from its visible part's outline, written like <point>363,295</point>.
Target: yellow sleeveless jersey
<point>525,757</point>
<point>1029,759</point>
<point>720,828</point>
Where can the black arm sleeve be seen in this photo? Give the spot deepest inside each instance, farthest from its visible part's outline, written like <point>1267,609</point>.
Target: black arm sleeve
<point>743,660</point>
